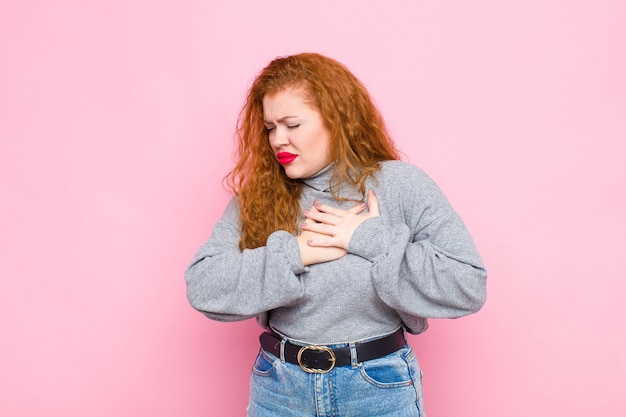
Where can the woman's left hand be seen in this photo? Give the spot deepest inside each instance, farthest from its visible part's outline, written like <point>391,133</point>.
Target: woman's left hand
<point>338,225</point>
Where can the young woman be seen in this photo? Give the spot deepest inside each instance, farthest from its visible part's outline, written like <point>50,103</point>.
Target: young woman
<point>335,246</point>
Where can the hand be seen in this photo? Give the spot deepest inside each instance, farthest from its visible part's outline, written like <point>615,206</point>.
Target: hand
<point>334,227</point>
<point>314,255</point>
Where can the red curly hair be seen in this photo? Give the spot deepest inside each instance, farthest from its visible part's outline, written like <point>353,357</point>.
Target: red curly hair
<point>359,141</point>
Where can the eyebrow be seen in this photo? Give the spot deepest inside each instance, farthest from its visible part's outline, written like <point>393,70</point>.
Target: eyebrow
<point>281,120</point>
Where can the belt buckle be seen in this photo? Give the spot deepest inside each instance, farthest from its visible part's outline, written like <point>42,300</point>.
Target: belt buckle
<point>332,359</point>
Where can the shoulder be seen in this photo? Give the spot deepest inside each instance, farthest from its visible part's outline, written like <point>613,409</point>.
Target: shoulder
<point>233,205</point>
<point>231,213</point>
<point>409,182</point>
<point>402,173</point>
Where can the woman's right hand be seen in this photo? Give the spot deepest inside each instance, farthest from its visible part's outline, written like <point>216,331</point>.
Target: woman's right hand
<point>325,236</point>
<point>316,254</point>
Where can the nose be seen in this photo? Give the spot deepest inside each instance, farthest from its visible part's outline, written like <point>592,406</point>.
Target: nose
<point>278,137</point>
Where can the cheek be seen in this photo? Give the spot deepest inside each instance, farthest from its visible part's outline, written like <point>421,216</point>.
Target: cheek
<point>325,148</point>
<point>270,139</point>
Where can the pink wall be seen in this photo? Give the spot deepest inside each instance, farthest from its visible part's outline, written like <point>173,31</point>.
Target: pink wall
<point>116,121</point>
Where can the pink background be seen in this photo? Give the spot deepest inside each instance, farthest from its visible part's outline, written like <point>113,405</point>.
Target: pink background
<point>116,122</point>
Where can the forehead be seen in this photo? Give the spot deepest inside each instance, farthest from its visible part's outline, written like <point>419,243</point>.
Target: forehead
<point>287,100</point>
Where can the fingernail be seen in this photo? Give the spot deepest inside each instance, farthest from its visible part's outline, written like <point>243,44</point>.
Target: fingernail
<point>317,203</point>
<point>305,212</point>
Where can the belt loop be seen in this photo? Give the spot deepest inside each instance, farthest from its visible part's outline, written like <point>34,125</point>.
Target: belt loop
<point>282,349</point>
<point>354,361</point>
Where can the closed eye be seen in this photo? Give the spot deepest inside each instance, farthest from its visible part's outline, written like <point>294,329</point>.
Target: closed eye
<point>293,126</point>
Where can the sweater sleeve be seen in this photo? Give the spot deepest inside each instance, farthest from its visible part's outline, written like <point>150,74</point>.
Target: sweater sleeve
<point>425,265</point>
<point>227,284</point>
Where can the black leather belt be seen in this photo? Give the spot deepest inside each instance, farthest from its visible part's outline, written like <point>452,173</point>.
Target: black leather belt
<point>321,359</point>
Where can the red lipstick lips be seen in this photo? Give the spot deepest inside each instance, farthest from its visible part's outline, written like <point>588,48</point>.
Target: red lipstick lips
<point>285,157</point>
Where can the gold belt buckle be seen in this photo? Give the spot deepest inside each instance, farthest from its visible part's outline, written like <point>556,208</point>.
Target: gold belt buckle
<point>332,359</point>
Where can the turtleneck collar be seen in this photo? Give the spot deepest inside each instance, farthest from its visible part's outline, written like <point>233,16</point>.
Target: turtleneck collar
<point>321,180</point>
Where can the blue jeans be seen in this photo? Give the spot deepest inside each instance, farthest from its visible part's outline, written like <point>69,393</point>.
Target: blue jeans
<point>390,386</point>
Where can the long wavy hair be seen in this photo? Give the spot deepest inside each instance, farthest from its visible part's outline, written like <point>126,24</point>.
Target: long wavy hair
<point>359,141</point>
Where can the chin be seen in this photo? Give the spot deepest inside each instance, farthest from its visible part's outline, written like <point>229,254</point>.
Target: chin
<point>294,174</point>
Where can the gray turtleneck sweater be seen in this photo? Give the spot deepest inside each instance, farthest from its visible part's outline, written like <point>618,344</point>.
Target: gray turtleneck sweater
<point>416,261</point>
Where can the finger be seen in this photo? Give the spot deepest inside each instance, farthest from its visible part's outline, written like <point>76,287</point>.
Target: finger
<point>320,242</point>
<point>313,216</point>
<point>314,206</point>
<point>308,224</point>
<point>372,204</point>
<point>357,208</point>
<point>323,208</point>
<point>319,228</point>
<point>321,213</point>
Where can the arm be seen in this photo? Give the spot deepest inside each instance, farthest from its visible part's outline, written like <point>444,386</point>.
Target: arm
<point>436,273</point>
<point>424,262</point>
<point>427,266</point>
<point>227,284</point>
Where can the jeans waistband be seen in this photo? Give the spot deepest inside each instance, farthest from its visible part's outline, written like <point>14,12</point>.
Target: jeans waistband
<point>322,359</point>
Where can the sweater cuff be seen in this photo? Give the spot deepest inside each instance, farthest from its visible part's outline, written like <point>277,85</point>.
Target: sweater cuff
<point>285,245</point>
<point>370,240</point>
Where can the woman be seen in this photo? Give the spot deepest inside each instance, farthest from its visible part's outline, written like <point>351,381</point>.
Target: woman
<point>335,246</point>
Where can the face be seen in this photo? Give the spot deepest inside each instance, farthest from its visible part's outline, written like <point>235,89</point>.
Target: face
<point>297,134</point>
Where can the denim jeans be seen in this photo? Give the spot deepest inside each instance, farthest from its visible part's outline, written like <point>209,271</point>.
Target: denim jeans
<point>390,386</point>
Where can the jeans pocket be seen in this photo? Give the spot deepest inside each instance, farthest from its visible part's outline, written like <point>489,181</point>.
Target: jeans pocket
<point>264,364</point>
<point>391,371</point>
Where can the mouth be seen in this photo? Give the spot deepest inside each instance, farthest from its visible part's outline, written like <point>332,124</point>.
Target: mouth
<point>285,157</point>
